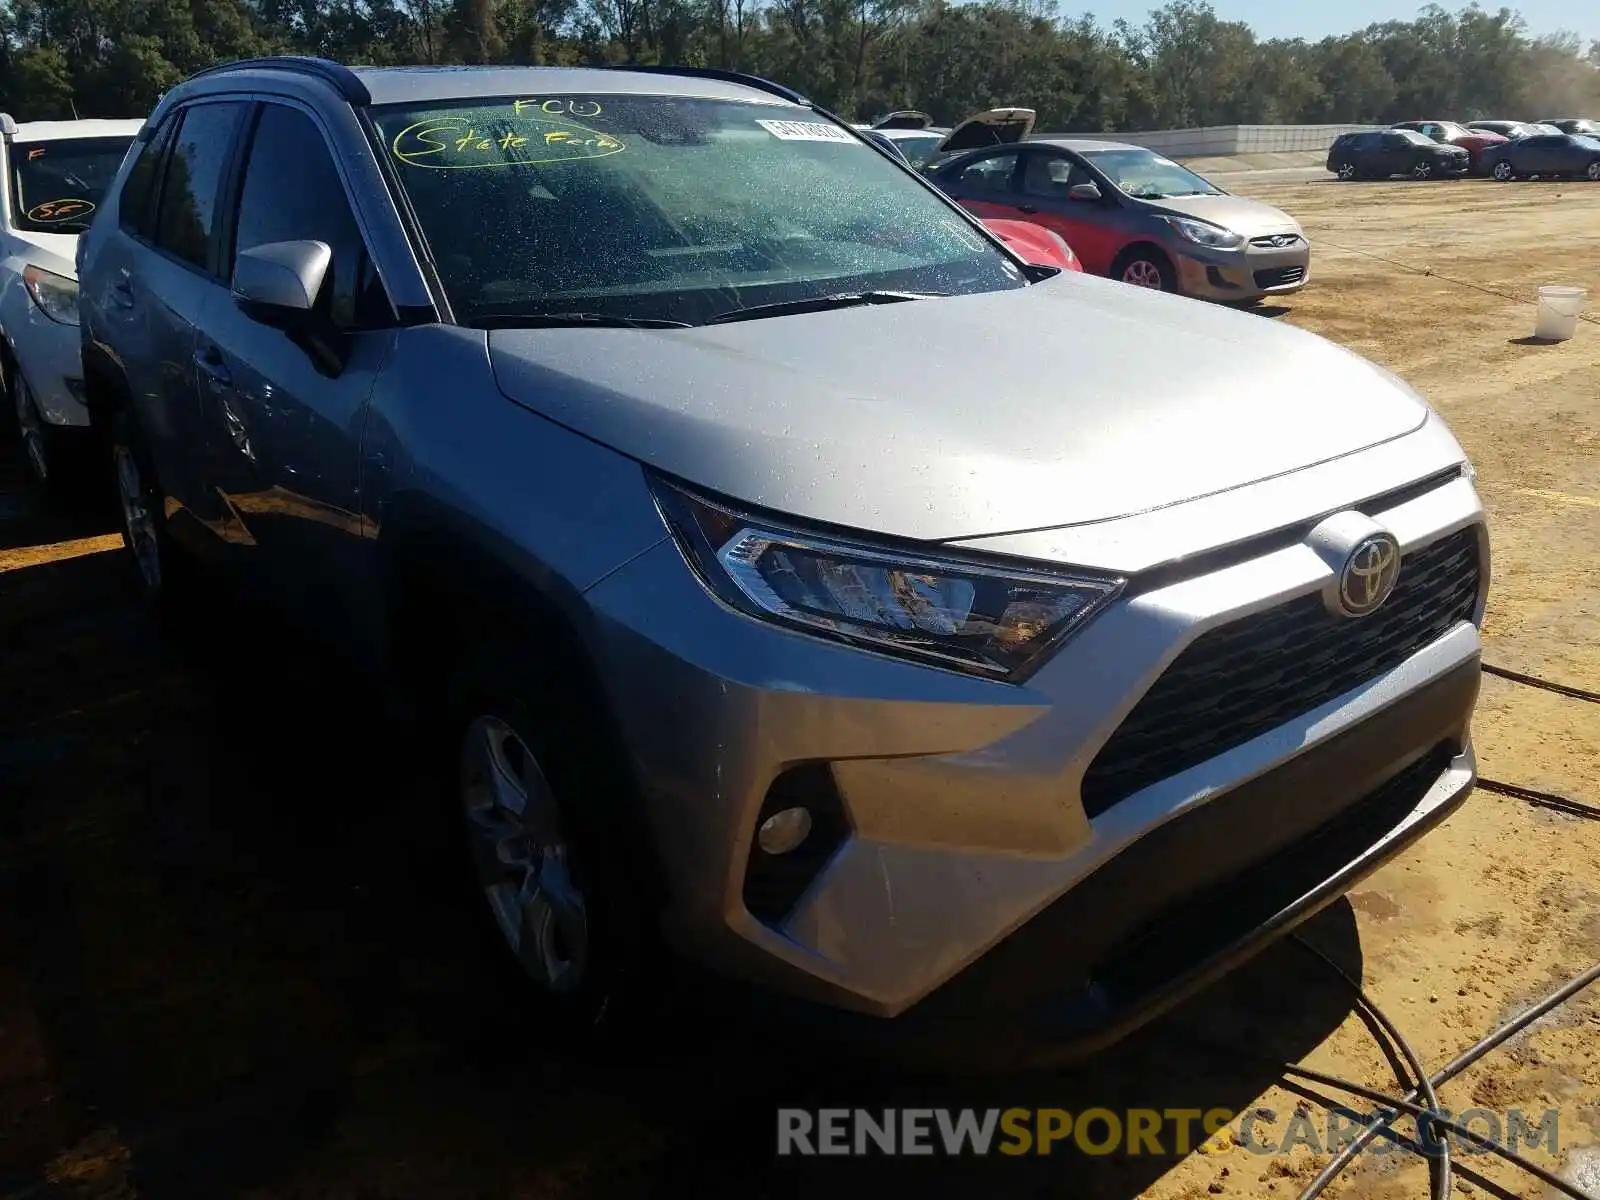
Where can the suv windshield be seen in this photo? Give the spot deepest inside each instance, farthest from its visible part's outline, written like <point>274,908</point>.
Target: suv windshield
<point>56,185</point>
<point>1147,176</point>
<point>666,208</point>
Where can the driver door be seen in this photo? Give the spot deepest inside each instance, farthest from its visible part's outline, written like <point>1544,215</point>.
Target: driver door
<point>287,404</point>
<point>1090,227</point>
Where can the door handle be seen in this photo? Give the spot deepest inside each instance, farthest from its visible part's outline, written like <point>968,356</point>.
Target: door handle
<point>209,362</point>
<point>122,290</point>
<point>1027,208</point>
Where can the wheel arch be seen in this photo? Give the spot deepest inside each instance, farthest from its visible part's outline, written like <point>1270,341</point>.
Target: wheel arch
<point>448,593</point>
<point>1137,247</point>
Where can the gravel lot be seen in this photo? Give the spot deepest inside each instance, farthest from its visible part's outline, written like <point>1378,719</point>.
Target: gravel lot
<point>230,967</point>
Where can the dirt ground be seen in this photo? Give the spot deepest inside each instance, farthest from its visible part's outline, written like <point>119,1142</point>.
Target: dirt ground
<point>230,965</point>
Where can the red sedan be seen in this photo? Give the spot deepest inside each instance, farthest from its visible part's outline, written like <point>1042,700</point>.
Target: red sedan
<point>1473,141</point>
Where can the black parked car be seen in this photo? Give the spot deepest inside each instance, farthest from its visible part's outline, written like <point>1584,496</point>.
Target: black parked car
<point>1385,152</point>
<point>1576,126</point>
<point>1545,155</point>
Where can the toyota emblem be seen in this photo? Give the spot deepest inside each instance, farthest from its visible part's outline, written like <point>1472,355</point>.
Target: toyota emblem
<point>1369,574</point>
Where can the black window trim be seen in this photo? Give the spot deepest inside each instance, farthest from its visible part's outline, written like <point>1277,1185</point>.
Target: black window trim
<point>233,192</point>
<point>160,142</point>
<point>181,112</point>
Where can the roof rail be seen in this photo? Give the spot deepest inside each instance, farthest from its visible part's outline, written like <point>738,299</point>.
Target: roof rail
<point>751,81</point>
<point>8,125</point>
<point>343,80</point>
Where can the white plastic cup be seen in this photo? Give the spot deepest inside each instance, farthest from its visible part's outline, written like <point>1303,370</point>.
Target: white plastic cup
<point>1559,309</point>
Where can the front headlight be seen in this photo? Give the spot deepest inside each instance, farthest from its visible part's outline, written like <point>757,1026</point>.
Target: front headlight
<point>56,295</point>
<point>924,604</point>
<point>1203,234</point>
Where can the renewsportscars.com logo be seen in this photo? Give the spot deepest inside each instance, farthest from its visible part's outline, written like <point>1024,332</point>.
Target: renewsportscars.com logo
<point>1156,1131</point>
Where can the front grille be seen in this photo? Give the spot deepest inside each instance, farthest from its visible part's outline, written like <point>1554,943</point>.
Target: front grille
<point>1279,276</point>
<point>1239,680</point>
<point>1276,241</point>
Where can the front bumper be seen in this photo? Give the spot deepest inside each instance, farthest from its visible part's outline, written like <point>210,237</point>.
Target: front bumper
<point>964,827</point>
<point>49,355</point>
<point>1248,273</point>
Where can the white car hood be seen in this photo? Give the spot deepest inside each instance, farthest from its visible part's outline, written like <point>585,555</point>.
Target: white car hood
<point>52,251</point>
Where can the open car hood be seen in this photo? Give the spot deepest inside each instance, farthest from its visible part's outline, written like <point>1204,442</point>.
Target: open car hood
<point>995,127</point>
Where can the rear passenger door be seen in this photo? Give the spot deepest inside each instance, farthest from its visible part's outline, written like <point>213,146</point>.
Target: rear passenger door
<point>286,408</point>
<point>164,275</point>
<point>984,185</point>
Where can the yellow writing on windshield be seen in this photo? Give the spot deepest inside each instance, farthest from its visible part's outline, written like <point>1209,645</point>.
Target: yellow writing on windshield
<point>458,143</point>
<point>59,210</point>
<point>557,108</point>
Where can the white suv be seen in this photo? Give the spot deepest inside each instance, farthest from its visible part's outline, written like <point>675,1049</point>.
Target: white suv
<point>54,174</point>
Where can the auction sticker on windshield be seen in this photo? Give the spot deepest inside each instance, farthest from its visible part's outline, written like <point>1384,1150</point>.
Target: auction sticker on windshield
<point>808,131</point>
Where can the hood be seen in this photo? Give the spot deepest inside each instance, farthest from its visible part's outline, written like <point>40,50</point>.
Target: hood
<point>995,127</point>
<point>52,251</point>
<point>954,418</point>
<point>1248,217</point>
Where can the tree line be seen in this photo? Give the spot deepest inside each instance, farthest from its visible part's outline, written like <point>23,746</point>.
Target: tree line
<point>1184,66</point>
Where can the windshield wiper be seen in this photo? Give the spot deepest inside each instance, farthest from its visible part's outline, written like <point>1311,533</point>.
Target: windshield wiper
<point>782,308</point>
<point>552,320</point>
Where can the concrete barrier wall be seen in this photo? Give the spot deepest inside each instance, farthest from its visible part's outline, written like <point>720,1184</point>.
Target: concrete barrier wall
<point>1226,141</point>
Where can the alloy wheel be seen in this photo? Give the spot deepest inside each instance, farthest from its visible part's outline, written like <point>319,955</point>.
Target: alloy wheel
<point>32,429</point>
<point>1141,272</point>
<point>1347,170</point>
<point>1502,171</point>
<point>1592,173</point>
<point>138,522</point>
<point>1422,170</point>
<point>522,857</point>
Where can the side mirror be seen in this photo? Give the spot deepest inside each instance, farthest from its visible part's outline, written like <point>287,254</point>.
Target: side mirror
<point>1084,191</point>
<point>278,283</point>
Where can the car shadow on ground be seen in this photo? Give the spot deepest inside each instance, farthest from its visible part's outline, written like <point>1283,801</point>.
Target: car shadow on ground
<point>233,957</point>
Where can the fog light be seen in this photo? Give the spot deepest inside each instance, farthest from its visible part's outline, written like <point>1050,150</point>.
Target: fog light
<point>784,831</point>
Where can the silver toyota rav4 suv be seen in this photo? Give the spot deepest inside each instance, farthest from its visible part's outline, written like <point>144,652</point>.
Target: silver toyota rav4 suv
<point>930,640</point>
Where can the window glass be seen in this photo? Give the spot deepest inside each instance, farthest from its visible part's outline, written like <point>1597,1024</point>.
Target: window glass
<point>136,212</point>
<point>56,185</point>
<point>199,158</point>
<point>993,172</point>
<point>668,208</point>
<point>292,192</point>
<point>1049,176</point>
<point>1148,176</point>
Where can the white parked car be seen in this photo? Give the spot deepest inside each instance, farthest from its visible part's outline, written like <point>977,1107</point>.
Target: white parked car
<point>54,174</point>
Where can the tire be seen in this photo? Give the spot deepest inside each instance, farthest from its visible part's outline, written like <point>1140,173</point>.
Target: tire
<point>1422,169</point>
<point>1346,171</point>
<point>1502,171</point>
<point>161,572</point>
<point>1592,171</point>
<point>563,906</point>
<point>56,457</point>
<point>1146,268</point>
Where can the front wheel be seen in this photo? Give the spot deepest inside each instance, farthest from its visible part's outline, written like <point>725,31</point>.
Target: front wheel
<point>1346,171</point>
<point>1147,269</point>
<point>1422,169</point>
<point>550,845</point>
<point>1503,172</point>
<point>1592,171</point>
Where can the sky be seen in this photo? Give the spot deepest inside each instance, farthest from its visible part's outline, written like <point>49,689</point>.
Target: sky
<point>1312,19</point>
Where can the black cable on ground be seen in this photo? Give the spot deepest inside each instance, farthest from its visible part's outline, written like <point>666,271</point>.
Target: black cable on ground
<point>1574,808</point>
<point>1434,1146</point>
<point>1455,1127</point>
<point>1429,271</point>
<point>1460,1063</point>
<point>1559,689</point>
